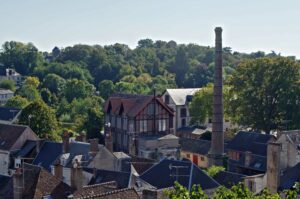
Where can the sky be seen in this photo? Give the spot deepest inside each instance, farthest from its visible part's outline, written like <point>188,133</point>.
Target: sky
<point>248,26</point>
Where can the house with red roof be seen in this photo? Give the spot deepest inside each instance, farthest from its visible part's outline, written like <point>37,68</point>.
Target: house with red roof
<point>129,118</point>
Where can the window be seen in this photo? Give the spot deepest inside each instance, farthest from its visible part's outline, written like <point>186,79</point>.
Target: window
<point>202,158</point>
<point>183,112</point>
<point>143,125</point>
<point>167,99</point>
<point>161,125</point>
<point>113,121</point>
<point>119,123</point>
<point>125,123</point>
<point>188,155</point>
<point>131,126</point>
<point>183,122</point>
<point>171,122</point>
<point>150,109</point>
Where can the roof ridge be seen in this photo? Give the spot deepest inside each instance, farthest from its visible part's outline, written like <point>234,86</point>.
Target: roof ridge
<point>108,193</point>
<point>100,184</point>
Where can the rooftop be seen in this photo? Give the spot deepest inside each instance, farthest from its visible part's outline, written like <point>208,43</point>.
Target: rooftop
<point>179,95</point>
<point>187,174</point>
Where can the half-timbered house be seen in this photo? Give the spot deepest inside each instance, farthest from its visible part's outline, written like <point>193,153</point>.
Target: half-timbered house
<point>130,117</point>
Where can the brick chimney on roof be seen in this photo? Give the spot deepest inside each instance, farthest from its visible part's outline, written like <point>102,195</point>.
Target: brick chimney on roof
<point>216,152</point>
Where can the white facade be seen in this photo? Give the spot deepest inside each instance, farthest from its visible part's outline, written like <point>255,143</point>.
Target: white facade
<point>178,100</point>
<point>5,95</point>
<point>11,74</point>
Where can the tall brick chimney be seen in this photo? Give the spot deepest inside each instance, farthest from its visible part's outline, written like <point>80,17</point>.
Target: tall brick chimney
<point>216,152</point>
<point>273,166</point>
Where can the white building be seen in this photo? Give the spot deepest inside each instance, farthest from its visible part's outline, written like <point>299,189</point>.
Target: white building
<point>179,99</point>
<point>5,95</point>
<point>11,74</point>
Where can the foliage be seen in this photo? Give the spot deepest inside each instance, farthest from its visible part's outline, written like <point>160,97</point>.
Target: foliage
<point>201,105</point>
<point>75,88</point>
<point>106,88</point>
<point>17,101</point>
<point>239,191</point>
<point>93,124</point>
<point>8,84</point>
<point>40,118</point>
<point>22,57</point>
<point>214,170</point>
<point>265,93</point>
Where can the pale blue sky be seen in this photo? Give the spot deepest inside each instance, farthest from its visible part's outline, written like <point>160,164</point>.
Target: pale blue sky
<point>248,25</point>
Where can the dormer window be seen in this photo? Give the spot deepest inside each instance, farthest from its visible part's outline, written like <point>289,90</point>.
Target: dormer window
<point>167,99</point>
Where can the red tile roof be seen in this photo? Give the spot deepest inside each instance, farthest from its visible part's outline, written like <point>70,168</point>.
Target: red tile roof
<point>132,104</point>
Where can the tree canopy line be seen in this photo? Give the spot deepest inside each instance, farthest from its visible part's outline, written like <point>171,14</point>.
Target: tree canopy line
<point>70,84</point>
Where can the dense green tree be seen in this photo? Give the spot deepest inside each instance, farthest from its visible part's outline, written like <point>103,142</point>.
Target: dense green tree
<point>23,57</point>
<point>93,124</point>
<point>75,88</point>
<point>17,101</point>
<point>201,105</point>
<point>239,191</point>
<point>106,88</point>
<point>41,119</point>
<point>8,84</point>
<point>54,83</point>
<point>265,93</point>
<point>180,66</point>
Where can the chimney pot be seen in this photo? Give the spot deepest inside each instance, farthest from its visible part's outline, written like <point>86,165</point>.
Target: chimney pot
<point>94,148</point>
<point>66,141</point>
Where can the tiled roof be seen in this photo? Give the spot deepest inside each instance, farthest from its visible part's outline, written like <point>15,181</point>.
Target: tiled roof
<point>179,95</point>
<point>131,104</point>
<point>8,114</point>
<point>102,176</point>
<point>128,193</point>
<point>41,183</point>
<point>94,190</point>
<point>198,146</point>
<point>164,174</point>
<point>228,179</point>
<point>9,134</point>
<point>253,142</point>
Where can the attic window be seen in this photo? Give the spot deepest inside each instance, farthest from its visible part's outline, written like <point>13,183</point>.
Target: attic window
<point>167,99</point>
<point>257,165</point>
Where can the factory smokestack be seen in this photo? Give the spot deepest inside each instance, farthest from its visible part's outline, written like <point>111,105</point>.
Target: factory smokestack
<point>216,152</point>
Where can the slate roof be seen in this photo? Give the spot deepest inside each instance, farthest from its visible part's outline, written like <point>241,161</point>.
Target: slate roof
<point>290,177</point>
<point>254,142</point>
<point>163,175</point>
<point>198,146</point>
<point>228,179</point>
<point>49,152</point>
<point>131,104</point>
<point>102,176</point>
<point>6,187</point>
<point>9,134</point>
<point>180,95</point>
<point>27,148</point>
<point>258,163</point>
<point>5,91</point>
<point>8,114</point>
